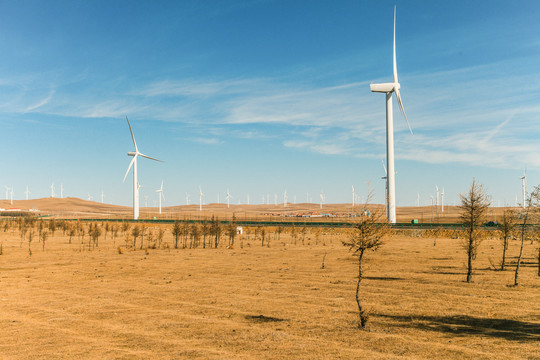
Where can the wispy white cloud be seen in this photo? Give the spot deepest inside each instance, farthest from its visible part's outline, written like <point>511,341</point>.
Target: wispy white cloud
<point>41,103</point>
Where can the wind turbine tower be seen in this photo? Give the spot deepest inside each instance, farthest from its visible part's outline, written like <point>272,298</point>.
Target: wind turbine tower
<point>442,200</point>
<point>437,197</point>
<point>102,196</point>
<point>524,189</point>
<point>133,163</point>
<point>160,192</point>
<point>285,198</point>
<point>62,191</point>
<point>353,196</point>
<point>11,195</point>
<point>200,198</point>
<point>228,197</point>
<point>389,89</point>
<point>27,192</point>
<point>321,195</point>
<point>52,190</point>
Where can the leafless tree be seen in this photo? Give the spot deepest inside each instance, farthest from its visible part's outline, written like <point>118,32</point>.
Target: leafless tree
<point>367,235</point>
<point>176,231</point>
<point>43,236</point>
<point>506,231</point>
<point>473,208</point>
<point>529,213</point>
<point>136,232</point>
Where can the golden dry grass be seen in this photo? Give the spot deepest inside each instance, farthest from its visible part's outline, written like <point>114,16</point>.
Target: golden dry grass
<point>263,302</point>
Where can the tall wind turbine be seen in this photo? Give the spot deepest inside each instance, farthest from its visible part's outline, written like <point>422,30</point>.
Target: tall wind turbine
<point>389,89</point>
<point>27,192</point>
<point>52,190</point>
<point>160,192</point>
<point>11,194</point>
<point>133,163</point>
<point>228,197</point>
<point>353,198</point>
<point>322,198</point>
<point>200,198</point>
<point>62,191</point>
<point>524,188</point>
<point>437,198</point>
<point>187,198</point>
<point>285,198</point>
<point>102,197</point>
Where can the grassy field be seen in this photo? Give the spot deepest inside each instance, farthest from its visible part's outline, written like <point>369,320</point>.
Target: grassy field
<point>254,302</point>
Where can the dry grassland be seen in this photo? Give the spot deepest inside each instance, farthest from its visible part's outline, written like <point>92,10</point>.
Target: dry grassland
<point>263,302</point>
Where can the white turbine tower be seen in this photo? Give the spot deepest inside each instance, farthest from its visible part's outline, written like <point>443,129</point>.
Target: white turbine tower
<point>7,192</point>
<point>102,197</point>
<point>200,198</point>
<point>437,198</point>
<point>442,200</point>
<point>524,188</point>
<point>27,192</point>
<point>11,195</point>
<point>248,199</point>
<point>385,178</point>
<point>62,191</point>
<point>389,89</point>
<point>52,190</point>
<point>321,195</point>
<point>285,198</point>
<point>353,195</point>
<point>228,197</point>
<point>133,163</point>
<point>160,192</point>
<point>187,198</point>
<point>89,197</point>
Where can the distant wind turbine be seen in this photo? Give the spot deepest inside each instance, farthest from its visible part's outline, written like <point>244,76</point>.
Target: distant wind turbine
<point>102,196</point>
<point>442,200</point>
<point>7,192</point>
<point>228,197</point>
<point>62,191</point>
<point>285,198</point>
<point>353,195</point>
<point>11,195</point>
<point>321,195</point>
<point>437,198</point>
<point>52,190</point>
<point>27,192</point>
<point>187,198</point>
<point>89,197</point>
<point>133,163</point>
<point>524,188</point>
<point>389,89</point>
<point>248,199</point>
<point>200,198</point>
<point>160,192</point>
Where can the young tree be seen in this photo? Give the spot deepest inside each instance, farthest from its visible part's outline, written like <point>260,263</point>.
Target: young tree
<point>160,235</point>
<point>368,234</point>
<point>506,231</point>
<point>44,235</point>
<point>474,206</point>
<point>530,212</point>
<point>136,232</point>
<point>205,231</point>
<point>176,231</point>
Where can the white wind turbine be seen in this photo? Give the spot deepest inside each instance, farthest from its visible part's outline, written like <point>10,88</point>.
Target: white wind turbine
<point>27,192</point>
<point>442,200</point>
<point>321,195</point>
<point>11,195</point>
<point>228,197</point>
<point>353,196</point>
<point>200,198</point>
<point>7,192</point>
<point>102,197</point>
<point>89,197</point>
<point>389,89</point>
<point>52,190</point>
<point>285,198</point>
<point>437,198</point>
<point>187,198</point>
<point>160,192</point>
<point>524,188</point>
<point>248,199</point>
<point>133,163</point>
<point>62,191</point>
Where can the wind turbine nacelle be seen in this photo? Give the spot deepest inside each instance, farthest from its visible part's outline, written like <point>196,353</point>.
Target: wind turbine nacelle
<point>384,88</point>
<point>131,153</point>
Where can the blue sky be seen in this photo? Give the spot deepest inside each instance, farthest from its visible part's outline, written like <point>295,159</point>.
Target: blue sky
<point>263,96</point>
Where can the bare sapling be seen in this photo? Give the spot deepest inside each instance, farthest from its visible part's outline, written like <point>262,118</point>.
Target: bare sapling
<point>367,235</point>
<point>160,235</point>
<point>506,233</point>
<point>176,231</point>
<point>30,233</point>
<point>44,235</point>
<point>529,215</point>
<point>135,232</point>
<point>473,208</point>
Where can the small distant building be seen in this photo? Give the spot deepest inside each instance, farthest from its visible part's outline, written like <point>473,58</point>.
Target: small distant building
<point>239,230</point>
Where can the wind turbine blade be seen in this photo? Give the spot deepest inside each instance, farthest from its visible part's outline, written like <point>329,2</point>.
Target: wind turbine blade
<point>148,157</point>
<point>129,167</point>
<point>384,166</point>
<point>398,97</point>
<point>133,137</point>
<point>395,66</point>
